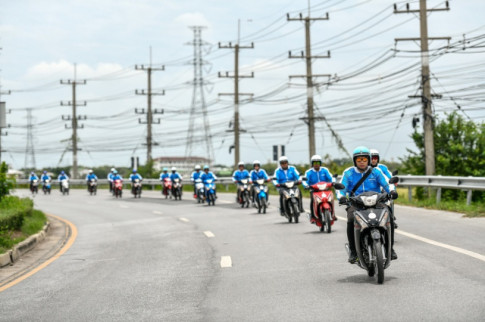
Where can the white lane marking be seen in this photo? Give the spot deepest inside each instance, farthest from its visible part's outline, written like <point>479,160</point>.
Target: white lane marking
<point>209,234</point>
<point>156,212</point>
<point>435,243</point>
<point>124,206</point>
<point>224,201</point>
<point>226,261</point>
<point>184,219</point>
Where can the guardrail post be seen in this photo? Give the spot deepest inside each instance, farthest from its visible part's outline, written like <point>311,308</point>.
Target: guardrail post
<point>410,193</point>
<point>227,187</point>
<point>438,195</point>
<point>469,197</point>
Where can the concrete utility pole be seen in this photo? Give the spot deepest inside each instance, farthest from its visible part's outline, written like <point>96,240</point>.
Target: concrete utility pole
<point>149,112</point>
<point>307,55</point>
<point>74,119</point>
<point>236,93</point>
<point>3,118</point>
<point>426,97</point>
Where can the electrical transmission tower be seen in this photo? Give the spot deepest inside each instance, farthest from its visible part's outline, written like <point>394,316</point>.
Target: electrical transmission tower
<point>29,149</point>
<point>236,93</point>
<point>149,112</point>
<point>307,55</point>
<point>198,98</point>
<point>74,119</point>
<point>426,97</point>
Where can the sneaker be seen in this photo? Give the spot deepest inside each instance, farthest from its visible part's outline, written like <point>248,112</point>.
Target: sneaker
<point>393,254</point>
<point>353,257</point>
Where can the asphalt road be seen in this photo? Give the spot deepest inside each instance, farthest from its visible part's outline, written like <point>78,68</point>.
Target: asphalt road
<point>160,260</point>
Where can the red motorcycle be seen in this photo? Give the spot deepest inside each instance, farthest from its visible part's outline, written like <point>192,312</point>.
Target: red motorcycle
<point>167,188</point>
<point>323,206</point>
<point>118,188</point>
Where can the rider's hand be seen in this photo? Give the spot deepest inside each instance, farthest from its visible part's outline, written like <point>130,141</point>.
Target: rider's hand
<point>342,200</point>
<point>393,194</point>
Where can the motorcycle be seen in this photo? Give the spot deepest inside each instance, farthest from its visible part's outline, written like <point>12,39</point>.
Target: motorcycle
<point>323,206</point>
<point>136,188</point>
<point>291,199</point>
<point>210,192</point>
<point>118,188</point>
<point>261,191</point>
<point>65,187</point>
<point>46,187</point>
<point>34,186</point>
<point>199,190</point>
<point>372,231</point>
<point>92,187</point>
<point>167,188</point>
<point>177,189</point>
<point>243,188</point>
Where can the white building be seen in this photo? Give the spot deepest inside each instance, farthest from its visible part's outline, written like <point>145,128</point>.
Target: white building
<point>184,165</point>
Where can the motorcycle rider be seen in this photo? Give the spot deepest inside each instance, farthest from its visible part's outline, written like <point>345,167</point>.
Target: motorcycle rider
<point>257,173</point>
<point>62,176</point>
<point>314,175</point>
<point>208,175</point>
<point>32,177</point>
<point>91,176</point>
<point>175,175</point>
<point>285,173</point>
<point>239,175</point>
<point>194,176</point>
<point>110,179</point>
<point>163,176</point>
<point>45,177</point>
<point>135,175</point>
<point>374,182</point>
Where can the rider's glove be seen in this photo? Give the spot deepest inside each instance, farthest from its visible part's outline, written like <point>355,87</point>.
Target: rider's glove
<point>342,200</point>
<point>393,194</point>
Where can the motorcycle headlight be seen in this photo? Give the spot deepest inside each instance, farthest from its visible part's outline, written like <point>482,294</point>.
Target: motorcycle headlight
<point>369,201</point>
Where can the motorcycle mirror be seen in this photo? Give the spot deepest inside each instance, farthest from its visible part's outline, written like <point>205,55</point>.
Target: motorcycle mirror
<point>394,196</point>
<point>395,172</point>
<point>394,180</point>
<point>338,186</point>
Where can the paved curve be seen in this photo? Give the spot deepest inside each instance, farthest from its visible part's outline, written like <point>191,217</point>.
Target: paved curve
<point>137,260</point>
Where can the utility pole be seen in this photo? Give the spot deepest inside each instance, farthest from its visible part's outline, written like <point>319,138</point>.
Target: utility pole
<point>149,112</point>
<point>426,97</point>
<point>307,55</point>
<point>74,119</point>
<point>29,150</point>
<point>198,96</point>
<point>236,93</point>
<point>3,118</point>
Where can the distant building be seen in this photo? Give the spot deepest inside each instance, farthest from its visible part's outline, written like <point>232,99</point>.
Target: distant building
<point>184,165</point>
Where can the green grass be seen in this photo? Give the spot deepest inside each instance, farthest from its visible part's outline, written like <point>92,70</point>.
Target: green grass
<point>472,210</point>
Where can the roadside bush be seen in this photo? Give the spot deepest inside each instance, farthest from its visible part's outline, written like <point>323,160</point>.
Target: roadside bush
<point>13,211</point>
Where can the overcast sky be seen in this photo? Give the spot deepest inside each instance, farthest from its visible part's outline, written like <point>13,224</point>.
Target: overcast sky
<point>365,103</point>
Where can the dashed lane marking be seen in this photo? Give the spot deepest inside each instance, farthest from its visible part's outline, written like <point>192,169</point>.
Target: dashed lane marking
<point>224,201</point>
<point>226,261</point>
<point>124,206</point>
<point>209,234</point>
<point>435,243</point>
<point>156,212</point>
<point>184,219</point>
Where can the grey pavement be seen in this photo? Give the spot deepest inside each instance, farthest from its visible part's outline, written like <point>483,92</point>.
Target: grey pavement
<point>135,260</point>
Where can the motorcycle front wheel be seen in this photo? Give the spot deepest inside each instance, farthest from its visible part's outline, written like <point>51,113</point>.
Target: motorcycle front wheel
<point>379,261</point>
<point>296,214</point>
<point>328,221</point>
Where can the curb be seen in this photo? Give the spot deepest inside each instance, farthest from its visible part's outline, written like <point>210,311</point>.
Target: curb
<point>13,255</point>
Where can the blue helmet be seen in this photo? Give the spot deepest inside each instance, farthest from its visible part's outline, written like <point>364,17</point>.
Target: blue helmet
<point>165,169</point>
<point>45,172</point>
<point>361,151</point>
<point>115,172</point>
<point>62,172</point>
<point>206,167</point>
<point>134,170</point>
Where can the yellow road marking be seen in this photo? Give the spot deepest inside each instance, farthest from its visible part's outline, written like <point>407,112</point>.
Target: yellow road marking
<point>68,245</point>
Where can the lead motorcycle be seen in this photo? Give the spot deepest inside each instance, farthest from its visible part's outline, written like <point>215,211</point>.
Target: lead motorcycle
<point>291,200</point>
<point>372,230</point>
<point>93,187</point>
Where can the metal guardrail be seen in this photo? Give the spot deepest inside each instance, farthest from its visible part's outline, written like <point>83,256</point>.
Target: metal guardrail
<point>438,182</point>
<point>443,182</point>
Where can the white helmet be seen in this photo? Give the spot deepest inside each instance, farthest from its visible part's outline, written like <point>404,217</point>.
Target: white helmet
<point>316,158</point>
<point>241,163</point>
<point>375,153</point>
<point>90,171</point>
<point>197,167</point>
<point>113,169</point>
<point>283,159</point>
<point>174,169</point>
<point>256,162</point>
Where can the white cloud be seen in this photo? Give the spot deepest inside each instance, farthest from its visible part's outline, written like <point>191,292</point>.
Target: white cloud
<point>193,19</point>
<point>63,68</point>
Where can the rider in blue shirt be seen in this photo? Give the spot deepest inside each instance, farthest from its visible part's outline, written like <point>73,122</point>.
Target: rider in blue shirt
<point>90,176</point>
<point>194,176</point>
<point>239,175</point>
<point>256,174</point>
<point>175,175</point>
<point>374,182</point>
<point>207,175</point>
<point>283,174</point>
<point>133,177</point>
<point>45,177</point>
<point>110,179</point>
<point>62,176</point>
<point>164,175</point>
<point>32,177</point>
<point>315,175</point>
